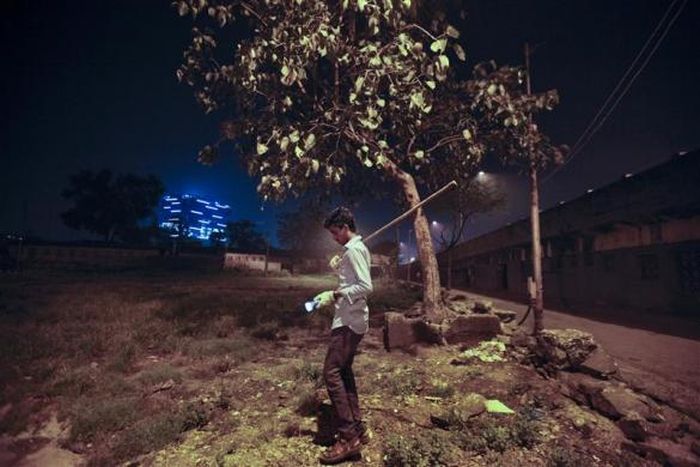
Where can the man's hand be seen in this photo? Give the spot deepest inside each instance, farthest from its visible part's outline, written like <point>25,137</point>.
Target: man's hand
<point>335,262</point>
<point>325,298</point>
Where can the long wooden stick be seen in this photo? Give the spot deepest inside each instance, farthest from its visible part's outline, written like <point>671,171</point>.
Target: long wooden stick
<point>403,216</point>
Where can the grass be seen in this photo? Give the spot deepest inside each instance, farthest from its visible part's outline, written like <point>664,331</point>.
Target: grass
<point>243,369</point>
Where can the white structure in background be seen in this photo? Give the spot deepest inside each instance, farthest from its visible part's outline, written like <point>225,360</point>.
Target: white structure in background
<point>250,261</point>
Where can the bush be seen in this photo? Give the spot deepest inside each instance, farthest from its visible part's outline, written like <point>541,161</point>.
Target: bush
<point>309,372</point>
<point>159,373</point>
<point>564,457</point>
<point>434,448</point>
<point>439,388</point>
<point>92,418</point>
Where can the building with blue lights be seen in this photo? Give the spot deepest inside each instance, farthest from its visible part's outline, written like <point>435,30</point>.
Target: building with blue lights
<point>189,216</point>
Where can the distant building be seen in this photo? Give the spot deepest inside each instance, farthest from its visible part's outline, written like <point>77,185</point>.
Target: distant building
<point>632,244</point>
<point>255,261</point>
<point>188,216</point>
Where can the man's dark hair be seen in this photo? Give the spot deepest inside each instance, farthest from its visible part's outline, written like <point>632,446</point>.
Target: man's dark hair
<point>339,217</point>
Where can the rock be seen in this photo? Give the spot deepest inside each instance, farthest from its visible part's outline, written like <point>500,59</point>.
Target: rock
<point>664,452</point>
<point>521,338</point>
<point>470,328</point>
<point>634,427</point>
<point>482,306</point>
<point>506,316</point>
<point>580,387</point>
<point>599,364</point>
<point>399,332</point>
<point>565,348</point>
<point>616,402</point>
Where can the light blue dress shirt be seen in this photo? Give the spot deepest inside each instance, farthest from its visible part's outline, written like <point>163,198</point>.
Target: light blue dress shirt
<point>355,284</point>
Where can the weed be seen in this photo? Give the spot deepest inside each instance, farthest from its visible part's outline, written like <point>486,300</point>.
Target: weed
<point>159,373</point>
<point>123,360</point>
<point>93,417</point>
<point>563,457</point>
<point>440,388</point>
<point>433,448</point>
<point>309,372</point>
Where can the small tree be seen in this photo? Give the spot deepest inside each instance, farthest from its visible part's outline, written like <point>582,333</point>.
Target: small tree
<point>110,206</point>
<point>325,91</point>
<point>242,235</point>
<point>477,195</point>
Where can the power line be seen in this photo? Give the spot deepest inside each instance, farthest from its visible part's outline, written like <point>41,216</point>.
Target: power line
<point>595,125</point>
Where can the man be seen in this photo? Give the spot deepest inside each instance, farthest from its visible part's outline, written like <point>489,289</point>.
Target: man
<point>350,323</point>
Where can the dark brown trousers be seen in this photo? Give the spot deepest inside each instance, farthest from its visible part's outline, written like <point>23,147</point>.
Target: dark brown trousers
<point>340,381</point>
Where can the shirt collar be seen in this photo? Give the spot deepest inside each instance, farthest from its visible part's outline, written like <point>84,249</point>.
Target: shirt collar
<point>353,240</point>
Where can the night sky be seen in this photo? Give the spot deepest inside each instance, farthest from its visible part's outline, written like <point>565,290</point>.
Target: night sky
<point>91,84</point>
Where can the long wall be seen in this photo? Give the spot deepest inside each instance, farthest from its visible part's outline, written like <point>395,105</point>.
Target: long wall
<point>632,244</point>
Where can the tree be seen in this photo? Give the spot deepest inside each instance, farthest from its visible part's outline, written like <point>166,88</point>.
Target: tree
<point>326,91</point>
<point>477,195</point>
<point>301,231</point>
<point>242,235</point>
<point>108,205</point>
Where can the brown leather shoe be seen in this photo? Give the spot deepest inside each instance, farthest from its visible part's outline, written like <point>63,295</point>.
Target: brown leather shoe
<point>341,451</point>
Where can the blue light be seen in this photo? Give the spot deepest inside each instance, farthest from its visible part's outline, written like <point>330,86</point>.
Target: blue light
<point>196,212</point>
<point>221,225</point>
<point>203,221</point>
<point>175,203</point>
<point>212,208</point>
<point>203,202</point>
<point>222,206</point>
<point>166,207</point>
<point>216,216</point>
<point>175,210</point>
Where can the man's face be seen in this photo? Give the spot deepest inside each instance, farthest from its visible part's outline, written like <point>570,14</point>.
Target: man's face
<point>340,234</point>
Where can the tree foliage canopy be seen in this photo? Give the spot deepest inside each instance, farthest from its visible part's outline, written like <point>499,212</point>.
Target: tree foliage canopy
<point>109,205</point>
<point>321,91</point>
<point>243,235</point>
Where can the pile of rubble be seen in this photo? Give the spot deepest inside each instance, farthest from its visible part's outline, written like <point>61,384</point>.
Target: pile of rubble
<point>585,372</point>
<point>589,376</point>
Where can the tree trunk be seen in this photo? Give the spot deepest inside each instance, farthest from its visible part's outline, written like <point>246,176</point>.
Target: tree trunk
<point>433,308</point>
<point>449,269</point>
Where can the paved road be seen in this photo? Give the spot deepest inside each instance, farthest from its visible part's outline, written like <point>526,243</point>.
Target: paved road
<point>672,358</point>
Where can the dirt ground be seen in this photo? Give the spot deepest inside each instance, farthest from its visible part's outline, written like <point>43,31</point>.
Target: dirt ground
<point>192,368</point>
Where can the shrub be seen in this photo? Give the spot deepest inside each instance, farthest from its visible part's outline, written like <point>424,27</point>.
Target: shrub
<point>309,372</point>
<point>564,457</point>
<point>439,388</point>
<point>91,418</point>
<point>159,373</point>
<point>433,448</point>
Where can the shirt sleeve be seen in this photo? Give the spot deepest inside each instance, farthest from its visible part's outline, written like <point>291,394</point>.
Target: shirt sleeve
<point>361,267</point>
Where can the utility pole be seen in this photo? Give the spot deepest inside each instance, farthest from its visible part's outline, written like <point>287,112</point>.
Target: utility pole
<point>536,296</point>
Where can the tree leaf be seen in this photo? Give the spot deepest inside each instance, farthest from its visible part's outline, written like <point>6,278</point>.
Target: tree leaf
<point>452,31</point>
<point>467,134</point>
<point>459,51</point>
<point>439,45</point>
<point>261,149</point>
